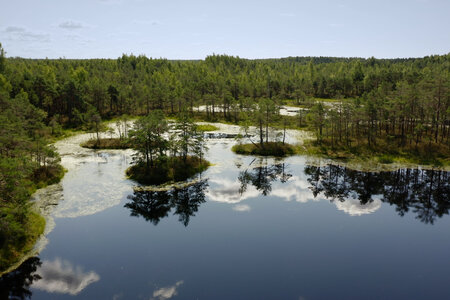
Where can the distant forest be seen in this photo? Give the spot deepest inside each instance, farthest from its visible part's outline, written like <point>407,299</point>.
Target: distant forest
<point>401,91</point>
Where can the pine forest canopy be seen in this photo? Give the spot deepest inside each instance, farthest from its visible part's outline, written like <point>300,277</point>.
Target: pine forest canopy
<point>406,98</point>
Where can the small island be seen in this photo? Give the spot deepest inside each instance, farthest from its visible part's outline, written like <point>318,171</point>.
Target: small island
<point>206,127</point>
<point>265,149</point>
<point>267,119</point>
<point>107,143</point>
<point>166,153</point>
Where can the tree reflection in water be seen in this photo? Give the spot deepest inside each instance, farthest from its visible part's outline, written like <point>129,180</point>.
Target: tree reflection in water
<point>262,176</point>
<point>425,192</point>
<point>16,284</point>
<point>156,205</point>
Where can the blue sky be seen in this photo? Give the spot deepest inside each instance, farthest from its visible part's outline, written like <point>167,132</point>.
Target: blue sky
<point>178,29</point>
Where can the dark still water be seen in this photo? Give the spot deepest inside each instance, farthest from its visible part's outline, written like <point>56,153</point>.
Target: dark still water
<point>249,228</point>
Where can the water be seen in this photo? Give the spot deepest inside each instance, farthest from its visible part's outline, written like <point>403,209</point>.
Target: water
<point>249,228</point>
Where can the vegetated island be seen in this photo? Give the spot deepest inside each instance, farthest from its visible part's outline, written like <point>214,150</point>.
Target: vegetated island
<point>164,156</point>
<point>121,142</point>
<point>278,149</point>
<point>107,143</point>
<point>266,116</point>
<point>96,126</point>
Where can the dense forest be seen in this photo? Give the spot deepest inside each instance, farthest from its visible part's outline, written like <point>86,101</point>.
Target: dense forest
<point>347,102</point>
<point>27,162</point>
<point>403,102</point>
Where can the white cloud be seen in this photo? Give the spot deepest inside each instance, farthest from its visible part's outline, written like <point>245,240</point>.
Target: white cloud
<point>60,276</point>
<point>71,25</point>
<point>14,29</point>
<point>21,34</point>
<point>147,22</point>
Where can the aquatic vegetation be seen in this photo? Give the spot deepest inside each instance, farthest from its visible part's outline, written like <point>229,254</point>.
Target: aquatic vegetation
<point>107,143</point>
<point>206,127</point>
<point>167,169</point>
<point>268,149</point>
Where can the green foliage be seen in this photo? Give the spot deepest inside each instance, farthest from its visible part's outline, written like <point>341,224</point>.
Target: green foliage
<point>47,175</point>
<point>2,59</point>
<point>316,118</point>
<point>160,159</point>
<point>386,159</point>
<point>27,162</point>
<point>206,127</point>
<point>16,238</point>
<point>433,155</point>
<point>167,169</point>
<point>107,143</point>
<point>270,149</point>
<point>363,100</point>
<point>147,137</point>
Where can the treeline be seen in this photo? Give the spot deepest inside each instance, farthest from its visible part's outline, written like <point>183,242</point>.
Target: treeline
<point>26,163</point>
<point>398,102</point>
<point>66,89</point>
<point>414,116</point>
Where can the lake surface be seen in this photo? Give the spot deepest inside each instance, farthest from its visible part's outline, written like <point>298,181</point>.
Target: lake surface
<point>248,228</point>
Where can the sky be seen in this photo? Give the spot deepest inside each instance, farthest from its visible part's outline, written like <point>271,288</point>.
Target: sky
<point>182,29</point>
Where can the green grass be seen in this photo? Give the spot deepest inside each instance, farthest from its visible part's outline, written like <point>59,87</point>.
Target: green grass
<point>167,170</point>
<point>202,117</point>
<point>327,100</point>
<point>107,143</point>
<point>206,127</point>
<point>382,153</point>
<point>386,159</point>
<point>65,133</point>
<point>268,149</point>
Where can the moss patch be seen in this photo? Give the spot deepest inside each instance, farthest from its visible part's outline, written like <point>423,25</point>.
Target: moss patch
<point>434,155</point>
<point>206,127</point>
<point>268,149</point>
<point>167,170</point>
<point>112,143</point>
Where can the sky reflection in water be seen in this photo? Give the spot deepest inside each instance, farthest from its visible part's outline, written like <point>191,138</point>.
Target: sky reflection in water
<point>251,228</point>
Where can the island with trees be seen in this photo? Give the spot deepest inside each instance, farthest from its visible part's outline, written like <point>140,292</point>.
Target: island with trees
<point>166,156</point>
<point>270,129</point>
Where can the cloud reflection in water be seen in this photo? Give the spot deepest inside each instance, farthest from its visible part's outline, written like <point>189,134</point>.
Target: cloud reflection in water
<point>60,276</point>
<point>354,207</point>
<point>166,292</point>
<point>241,207</point>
